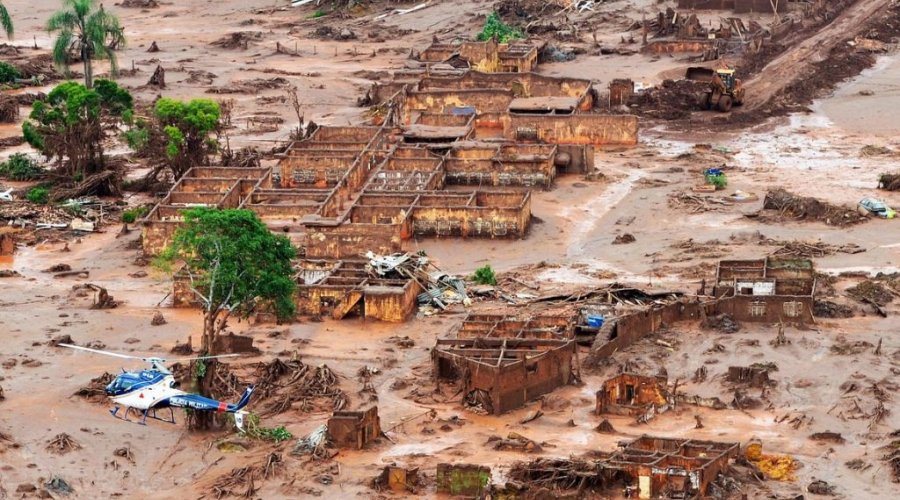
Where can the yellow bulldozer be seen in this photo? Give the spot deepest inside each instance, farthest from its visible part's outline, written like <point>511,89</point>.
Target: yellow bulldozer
<point>724,91</point>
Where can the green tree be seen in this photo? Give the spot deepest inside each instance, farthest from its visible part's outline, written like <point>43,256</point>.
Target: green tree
<point>180,134</point>
<point>74,121</point>
<point>235,264</point>
<point>87,29</point>
<point>6,21</point>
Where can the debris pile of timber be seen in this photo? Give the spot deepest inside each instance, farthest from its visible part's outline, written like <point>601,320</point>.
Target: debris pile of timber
<point>697,203</point>
<point>809,249</point>
<point>283,383</point>
<point>62,444</point>
<point>791,205</point>
<point>237,40</point>
<point>871,291</point>
<point>558,474</point>
<point>95,391</point>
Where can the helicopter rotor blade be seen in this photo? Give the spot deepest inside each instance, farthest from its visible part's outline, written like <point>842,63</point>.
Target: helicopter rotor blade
<point>171,360</point>
<point>97,351</point>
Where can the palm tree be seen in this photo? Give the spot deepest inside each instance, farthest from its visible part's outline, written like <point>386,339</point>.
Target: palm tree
<point>89,29</point>
<point>6,21</point>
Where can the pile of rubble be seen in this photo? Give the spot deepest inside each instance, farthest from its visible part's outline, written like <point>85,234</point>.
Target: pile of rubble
<point>810,209</point>
<point>440,289</point>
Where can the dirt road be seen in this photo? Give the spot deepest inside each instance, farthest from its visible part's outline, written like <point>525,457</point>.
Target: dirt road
<point>795,63</point>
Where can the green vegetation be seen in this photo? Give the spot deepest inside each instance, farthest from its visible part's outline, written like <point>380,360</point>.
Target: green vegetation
<point>89,29</point>
<point>317,14</point>
<point>8,73</point>
<point>494,27</point>
<point>720,181</point>
<point>184,134</point>
<point>236,266</point>
<point>133,214</point>
<point>73,123</point>
<point>485,276</point>
<point>39,195</point>
<point>20,167</point>
<point>253,430</point>
<point>6,21</point>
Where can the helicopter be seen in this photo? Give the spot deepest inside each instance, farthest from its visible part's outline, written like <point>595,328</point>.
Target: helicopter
<point>149,390</point>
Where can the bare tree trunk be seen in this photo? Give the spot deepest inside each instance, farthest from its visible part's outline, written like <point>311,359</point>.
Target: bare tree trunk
<point>88,69</point>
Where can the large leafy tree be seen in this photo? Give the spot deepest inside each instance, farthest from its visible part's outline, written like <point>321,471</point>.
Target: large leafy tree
<point>179,135</point>
<point>90,31</point>
<point>235,265</point>
<point>72,124</point>
<point>6,21</point>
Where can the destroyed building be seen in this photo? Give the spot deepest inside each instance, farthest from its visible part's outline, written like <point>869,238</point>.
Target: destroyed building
<point>671,468</point>
<point>770,290</point>
<point>346,191</point>
<point>501,362</point>
<point>490,55</point>
<point>354,429</point>
<point>632,394</point>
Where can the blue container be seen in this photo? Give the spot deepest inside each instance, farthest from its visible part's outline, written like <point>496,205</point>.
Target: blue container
<point>594,321</point>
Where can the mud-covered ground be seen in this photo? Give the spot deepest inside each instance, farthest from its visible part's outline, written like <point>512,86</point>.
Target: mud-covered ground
<point>821,374</point>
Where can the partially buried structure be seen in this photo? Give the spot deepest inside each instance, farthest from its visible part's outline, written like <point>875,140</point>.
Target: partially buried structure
<point>500,362</point>
<point>446,154</point>
<point>770,290</point>
<point>670,468</point>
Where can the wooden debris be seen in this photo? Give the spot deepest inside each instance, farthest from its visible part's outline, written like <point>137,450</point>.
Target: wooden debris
<point>62,444</point>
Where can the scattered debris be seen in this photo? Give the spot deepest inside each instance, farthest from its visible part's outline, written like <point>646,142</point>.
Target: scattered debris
<point>810,209</point>
<point>820,487</point>
<point>238,40</point>
<point>624,239</point>
<point>315,444</point>
<point>158,319</point>
<point>62,444</point>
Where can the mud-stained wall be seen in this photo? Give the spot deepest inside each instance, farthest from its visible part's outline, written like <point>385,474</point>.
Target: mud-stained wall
<point>156,235</point>
<point>521,382</point>
<point>353,240</point>
<point>679,46</point>
<point>598,130</point>
<point>395,302</point>
<point>462,479</point>
<point>768,309</point>
<point>472,221</point>
<point>633,327</point>
<point>444,101</point>
<point>521,84</point>
<point>612,396</point>
<point>354,429</point>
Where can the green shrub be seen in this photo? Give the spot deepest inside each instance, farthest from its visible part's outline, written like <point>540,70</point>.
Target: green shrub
<point>40,195</point>
<point>494,27</point>
<point>318,13</point>
<point>719,181</point>
<point>20,167</point>
<point>133,214</point>
<point>485,276</point>
<point>8,73</point>
<point>253,430</point>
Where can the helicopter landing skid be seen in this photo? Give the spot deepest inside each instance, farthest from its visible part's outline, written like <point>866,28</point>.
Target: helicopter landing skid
<point>149,413</point>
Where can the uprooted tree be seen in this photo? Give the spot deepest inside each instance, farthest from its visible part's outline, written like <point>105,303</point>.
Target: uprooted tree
<point>235,265</point>
<point>71,125</point>
<point>177,135</point>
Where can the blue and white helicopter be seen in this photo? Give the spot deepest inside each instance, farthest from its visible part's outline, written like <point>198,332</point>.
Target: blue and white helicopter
<point>150,390</point>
